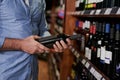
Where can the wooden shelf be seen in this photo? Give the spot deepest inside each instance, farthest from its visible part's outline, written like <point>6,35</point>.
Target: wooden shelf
<point>99,13</point>
<point>106,14</point>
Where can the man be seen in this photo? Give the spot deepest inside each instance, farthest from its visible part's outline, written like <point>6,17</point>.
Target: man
<point>20,23</point>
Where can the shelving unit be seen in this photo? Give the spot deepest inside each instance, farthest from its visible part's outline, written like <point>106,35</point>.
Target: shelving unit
<point>88,65</point>
<point>109,14</point>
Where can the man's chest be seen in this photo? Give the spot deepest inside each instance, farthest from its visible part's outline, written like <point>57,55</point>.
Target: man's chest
<point>22,9</point>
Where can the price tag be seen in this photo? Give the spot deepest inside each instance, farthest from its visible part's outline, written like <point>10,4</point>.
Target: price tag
<point>97,75</point>
<point>87,65</point>
<point>103,11</point>
<point>75,53</point>
<point>78,12</point>
<point>73,49</point>
<point>103,78</point>
<point>92,70</point>
<point>92,12</point>
<point>98,11</point>
<point>82,12</point>
<point>108,11</point>
<point>118,12</point>
<point>83,61</point>
<point>78,55</point>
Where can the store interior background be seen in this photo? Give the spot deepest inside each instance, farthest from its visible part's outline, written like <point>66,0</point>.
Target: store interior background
<point>48,67</point>
<point>89,19</point>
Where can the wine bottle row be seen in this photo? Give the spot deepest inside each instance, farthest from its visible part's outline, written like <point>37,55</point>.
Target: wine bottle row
<point>103,46</point>
<point>96,4</point>
<point>83,69</point>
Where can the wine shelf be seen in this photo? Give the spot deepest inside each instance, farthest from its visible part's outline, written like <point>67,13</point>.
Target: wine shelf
<point>106,12</point>
<point>89,66</point>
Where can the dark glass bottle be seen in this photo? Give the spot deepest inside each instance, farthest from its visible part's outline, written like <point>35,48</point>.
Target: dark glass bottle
<point>94,45</point>
<point>89,43</point>
<point>99,44</point>
<point>107,3</point>
<point>99,4</point>
<point>117,3</point>
<point>116,54</point>
<point>77,5</point>
<point>102,48</point>
<point>50,40</point>
<point>82,4</point>
<point>107,54</point>
<point>109,50</point>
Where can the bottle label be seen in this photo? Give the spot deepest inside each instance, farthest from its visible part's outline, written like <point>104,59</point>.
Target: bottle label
<point>77,3</point>
<point>98,52</point>
<point>108,55</point>
<point>89,56</point>
<point>86,52</point>
<point>102,56</point>
<point>118,69</point>
<point>99,42</point>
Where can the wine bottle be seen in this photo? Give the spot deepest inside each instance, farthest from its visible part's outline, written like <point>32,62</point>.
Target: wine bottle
<point>107,54</point>
<point>106,3</point>
<point>82,4</point>
<point>102,48</point>
<point>88,44</point>
<point>99,4</point>
<point>99,44</point>
<point>77,5</point>
<point>94,45</point>
<point>109,51</point>
<point>116,54</point>
<point>90,4</point>
<point>117,3</point>
<point>50,40</point>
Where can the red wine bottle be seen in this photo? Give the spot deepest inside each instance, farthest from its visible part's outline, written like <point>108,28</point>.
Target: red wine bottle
<point>89,43</point>
<point>94,45</point>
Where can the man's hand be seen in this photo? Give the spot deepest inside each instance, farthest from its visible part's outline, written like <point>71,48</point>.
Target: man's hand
<point>30,45</point>
<point>60,46</point>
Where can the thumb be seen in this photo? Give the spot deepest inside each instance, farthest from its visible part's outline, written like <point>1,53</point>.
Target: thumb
<point>36,37</point>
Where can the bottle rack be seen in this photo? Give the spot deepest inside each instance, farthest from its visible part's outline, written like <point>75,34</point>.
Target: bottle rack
<point>88,65</point>
<point>70,20</point>
<point>105,12</point>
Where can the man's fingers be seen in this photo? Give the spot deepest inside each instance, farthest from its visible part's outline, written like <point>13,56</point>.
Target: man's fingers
<point>59,46</point>
<point>68,42</point>
<point>36,37</point>
<point>63,44</point>
<point>40,46</point>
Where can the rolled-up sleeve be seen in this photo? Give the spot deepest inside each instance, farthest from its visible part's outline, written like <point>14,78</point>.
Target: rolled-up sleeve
<point>1,41</point>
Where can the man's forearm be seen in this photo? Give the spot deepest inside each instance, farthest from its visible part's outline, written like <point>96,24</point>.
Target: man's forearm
<point>11,44</point>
